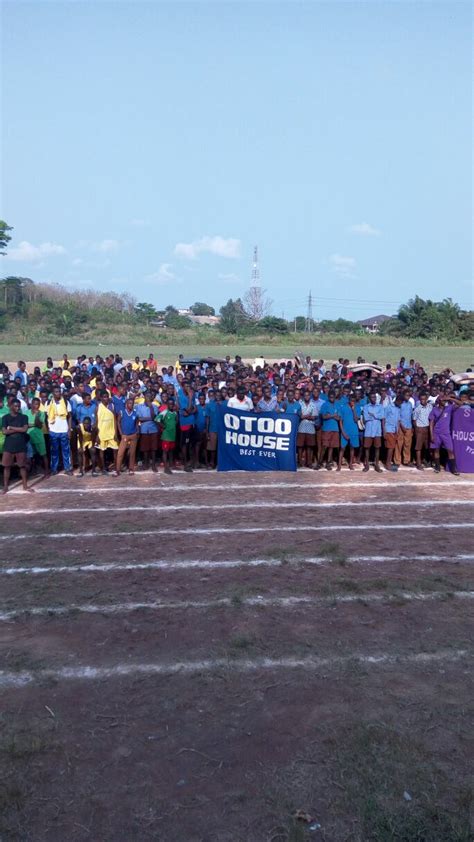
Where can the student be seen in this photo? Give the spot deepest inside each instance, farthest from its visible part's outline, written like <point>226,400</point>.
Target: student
<point>212,426</point>
<point>349,431</point>
<point>148,431</point>
<point>331,423</point>
<point>187,412</point>
<point>59,424</point>
<point>127,423</point>
<point>440,433</point>
<point>106,432</point>
<point>373,414</point>
<point>390,427</point>
<point>405,433</point>
<point>421,421</point>
<point>200,444</point>
<point>306,435</point>
<point>241,400</point>
<point>86,435</point>
<point>168,420</point>
<point>36,422</point>
<point>15,429</point>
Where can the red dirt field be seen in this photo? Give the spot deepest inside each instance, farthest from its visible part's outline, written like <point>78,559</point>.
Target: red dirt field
<point>195,658</point>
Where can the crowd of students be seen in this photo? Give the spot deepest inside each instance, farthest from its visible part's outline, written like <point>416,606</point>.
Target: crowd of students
<point>102,414</point>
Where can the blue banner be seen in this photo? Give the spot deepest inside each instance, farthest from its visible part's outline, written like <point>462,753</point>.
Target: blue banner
<point>249,441</point>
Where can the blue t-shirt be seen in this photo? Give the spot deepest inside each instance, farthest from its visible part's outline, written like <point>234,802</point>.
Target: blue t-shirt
<point>119,404</point>
<point>348,423</point>
<point>83,411</point>
<point>211,413</point>
<point>145,415</point>
<point>183,403</point>
<point>200,418</point>
<point>373,420</point>
<point>293,408</point>
<point>129,421</point>
<point>330,425</point>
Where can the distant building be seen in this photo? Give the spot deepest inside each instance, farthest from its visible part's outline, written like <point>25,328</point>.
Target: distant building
<point>372,325</point>
<point>204,320</point>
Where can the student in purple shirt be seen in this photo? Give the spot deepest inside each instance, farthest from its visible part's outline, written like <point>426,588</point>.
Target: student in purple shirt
<point>440,432</point>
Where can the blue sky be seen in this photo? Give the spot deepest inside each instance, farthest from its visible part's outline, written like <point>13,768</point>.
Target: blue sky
<point>148,146</point>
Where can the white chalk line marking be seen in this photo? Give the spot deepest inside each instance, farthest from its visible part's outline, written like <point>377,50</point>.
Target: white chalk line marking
<point>219,530</point>
<point>232,486</point>
<point>253,505</point>
<point>199,564</point>
<point>251,602</point>
<point>90,673</point>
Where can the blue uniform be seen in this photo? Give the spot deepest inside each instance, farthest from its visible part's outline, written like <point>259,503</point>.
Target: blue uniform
<point>349,426</point>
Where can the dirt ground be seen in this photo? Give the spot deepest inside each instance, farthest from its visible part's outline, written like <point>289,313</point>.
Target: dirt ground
<point>196,658</point>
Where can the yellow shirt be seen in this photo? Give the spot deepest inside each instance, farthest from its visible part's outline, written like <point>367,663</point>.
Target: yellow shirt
<point>86,437</point>
<point>105,423</point>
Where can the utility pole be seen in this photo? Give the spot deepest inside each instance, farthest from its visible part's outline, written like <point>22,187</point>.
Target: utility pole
<point>309,314</point>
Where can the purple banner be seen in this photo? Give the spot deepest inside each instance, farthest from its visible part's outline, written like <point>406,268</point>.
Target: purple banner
<point>463,438</point>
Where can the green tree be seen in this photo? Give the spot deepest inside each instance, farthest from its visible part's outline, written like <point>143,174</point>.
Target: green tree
<point>145,312</point>
<point>201,309</point>
<point>14,292</point>
<point>4,235</point>
<point>338,326</point>
<point>299,323</point>
<point>272,325</point>
<point>233,316</point>
<point>176,321</point>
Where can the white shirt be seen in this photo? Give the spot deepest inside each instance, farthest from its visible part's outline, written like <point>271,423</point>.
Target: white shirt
<point>60,424</point>
<point>245,404</point>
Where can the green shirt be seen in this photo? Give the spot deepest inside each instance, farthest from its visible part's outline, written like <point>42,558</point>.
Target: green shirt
<point>168,421</point>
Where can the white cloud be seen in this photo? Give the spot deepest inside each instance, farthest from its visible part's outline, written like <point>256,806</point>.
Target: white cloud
<point>29,253</point>
<point>106,246</point>
<point>219,246</point>
<point>365,229</point>
<point>343,266</point>
<point>78,261</point>
<point>139,223</point>
<point>162,277</point>
<point>229,278</point>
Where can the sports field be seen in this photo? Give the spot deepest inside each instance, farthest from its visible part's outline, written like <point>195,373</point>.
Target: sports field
<point>197,657</point>
<point>432,357</point>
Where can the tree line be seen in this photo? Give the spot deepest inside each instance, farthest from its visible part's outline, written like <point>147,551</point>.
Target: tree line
<point>70,311</point>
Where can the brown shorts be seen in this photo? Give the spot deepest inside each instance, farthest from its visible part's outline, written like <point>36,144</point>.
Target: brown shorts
<point>148,442</point>
<point>422,437</point>
<point>10,459</point>
<point>305,440</point>
<point>330,438</point>
<point>373,440</point>
<point>212,441</point>
<point>390,441</point>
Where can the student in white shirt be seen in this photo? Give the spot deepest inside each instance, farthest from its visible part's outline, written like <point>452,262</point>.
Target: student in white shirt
<point>240,400</point>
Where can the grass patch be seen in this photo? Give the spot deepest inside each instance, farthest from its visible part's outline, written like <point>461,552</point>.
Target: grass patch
<point>377,764</point>
<point>332,551</point>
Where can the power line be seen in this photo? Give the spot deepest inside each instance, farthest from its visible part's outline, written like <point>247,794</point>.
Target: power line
<point>309,314</point>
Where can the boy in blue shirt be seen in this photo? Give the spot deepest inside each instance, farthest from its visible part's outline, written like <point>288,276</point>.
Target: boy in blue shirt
<point>349,430</point>
<point>373,414</point>
<point>331,422</point>
<point>391,427</point>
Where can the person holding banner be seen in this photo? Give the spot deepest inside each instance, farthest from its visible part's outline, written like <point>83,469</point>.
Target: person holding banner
<point>240,401</point>
<point>440,433</point>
